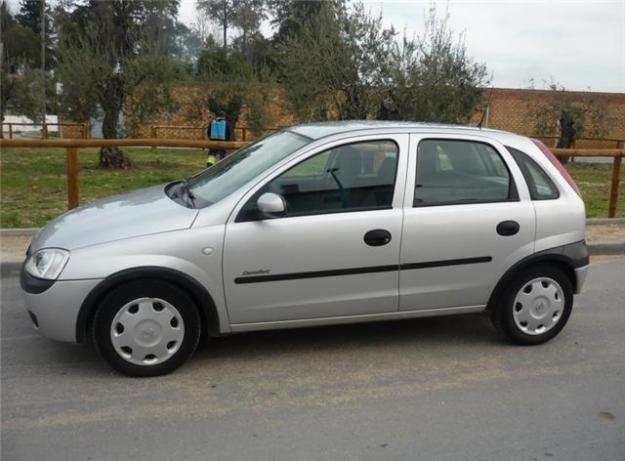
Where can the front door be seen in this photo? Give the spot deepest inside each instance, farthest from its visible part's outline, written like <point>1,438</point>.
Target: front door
<point>321,259</point>
<point>466,222</point>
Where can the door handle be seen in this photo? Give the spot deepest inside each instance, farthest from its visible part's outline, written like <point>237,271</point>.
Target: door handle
<point>508,228</point>
<point>377,237</point>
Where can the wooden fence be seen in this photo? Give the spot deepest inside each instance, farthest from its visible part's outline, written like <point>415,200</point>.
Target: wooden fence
<point>82,128</point>
<point>199,132</point>
<point>72,146</point>
<point>584,143</point>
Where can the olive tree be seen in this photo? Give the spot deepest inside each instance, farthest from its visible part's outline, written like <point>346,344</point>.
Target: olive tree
<point>333,62</point>
<point>570,116</point>
<point>432,77</point>
<point>109,51</point>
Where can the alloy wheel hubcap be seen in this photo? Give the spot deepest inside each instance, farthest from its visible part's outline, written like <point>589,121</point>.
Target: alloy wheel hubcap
<point>147,331</point>
<point>538,306</point>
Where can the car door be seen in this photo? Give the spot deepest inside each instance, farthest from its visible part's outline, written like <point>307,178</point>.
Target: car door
<point>336,250</point>
<point>467,219</point>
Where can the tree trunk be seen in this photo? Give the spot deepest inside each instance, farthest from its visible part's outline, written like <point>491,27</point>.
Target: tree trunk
<point>112,157</point>
<point>568,134</point>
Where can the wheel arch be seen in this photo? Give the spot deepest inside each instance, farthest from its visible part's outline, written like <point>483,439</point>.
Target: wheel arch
<point>566,257</point>
<point>199,294</point>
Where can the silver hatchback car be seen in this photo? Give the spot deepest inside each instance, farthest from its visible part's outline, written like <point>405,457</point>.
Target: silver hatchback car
<point>317,224</point>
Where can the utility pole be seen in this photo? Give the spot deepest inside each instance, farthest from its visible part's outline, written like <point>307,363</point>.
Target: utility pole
<point>43,65</point>
<point>225,2</point>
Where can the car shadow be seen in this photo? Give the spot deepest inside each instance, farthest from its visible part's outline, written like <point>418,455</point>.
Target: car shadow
<point>471,330</point>
<point>440,334</point>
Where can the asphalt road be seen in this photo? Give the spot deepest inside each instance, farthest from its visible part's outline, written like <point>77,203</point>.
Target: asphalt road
<point>429,389</point>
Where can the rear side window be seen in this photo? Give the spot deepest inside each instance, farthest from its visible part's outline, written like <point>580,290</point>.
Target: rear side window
<point>539,184</point>
<point>453,172</point>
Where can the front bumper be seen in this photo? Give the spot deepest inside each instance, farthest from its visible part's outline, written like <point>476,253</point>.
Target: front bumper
<point>54,311</point>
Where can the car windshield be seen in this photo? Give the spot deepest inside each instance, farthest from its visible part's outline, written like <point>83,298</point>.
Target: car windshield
<point>237,169</point>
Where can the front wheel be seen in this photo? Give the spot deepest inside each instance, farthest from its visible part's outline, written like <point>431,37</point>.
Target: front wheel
<point>535,305</point>
<point>146,328</point>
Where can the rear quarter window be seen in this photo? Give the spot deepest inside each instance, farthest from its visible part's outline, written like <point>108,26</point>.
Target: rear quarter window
<point>541,187</point>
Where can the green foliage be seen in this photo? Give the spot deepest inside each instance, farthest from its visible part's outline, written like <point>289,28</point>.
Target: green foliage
<point>29,16</point>
<point>287,16</point>
<point>341,63</point>
<point>20,44</point>
<point>245,15</point>
<point>110,50</point>
<point>218,65</point>
<point>236,87</point>
<point>432,77</point>
<point>20,84</point>
<point>330,66</point>
<point>22,93</point>
<point>570,116</point>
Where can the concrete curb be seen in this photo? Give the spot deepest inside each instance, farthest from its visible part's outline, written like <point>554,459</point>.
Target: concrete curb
<point>19,232</point>
<point>606,248</point>
<point>598,248</point>
<point>10,268</point>
<point>603,221</point>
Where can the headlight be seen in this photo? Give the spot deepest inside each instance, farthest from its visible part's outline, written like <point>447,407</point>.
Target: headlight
<point>47,263</point>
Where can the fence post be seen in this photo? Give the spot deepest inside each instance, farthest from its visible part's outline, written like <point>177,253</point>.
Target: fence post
<point>72,177</point>
<point>44,130</point>
<point>10,131</point>
<point>153,134</point>
<point>616,179</point>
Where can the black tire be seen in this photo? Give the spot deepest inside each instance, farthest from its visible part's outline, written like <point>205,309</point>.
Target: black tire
<point>114,301</point>
<point>503,316</point>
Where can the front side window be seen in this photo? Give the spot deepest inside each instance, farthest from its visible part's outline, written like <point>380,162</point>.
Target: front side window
<point>352,177</point>
<point>237,169</point>
<point>453,172</point>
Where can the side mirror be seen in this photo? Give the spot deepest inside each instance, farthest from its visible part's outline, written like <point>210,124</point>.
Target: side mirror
<point>271,205</point>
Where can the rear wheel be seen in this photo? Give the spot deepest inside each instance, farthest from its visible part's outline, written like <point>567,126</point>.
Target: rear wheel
<point>535,305</point>
<point>146,328</point>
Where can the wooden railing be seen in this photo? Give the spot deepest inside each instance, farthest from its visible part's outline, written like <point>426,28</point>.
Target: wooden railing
<point>240,133</point>
<point>72,146</point>
<point>584,143</point>
<point>83,128</point>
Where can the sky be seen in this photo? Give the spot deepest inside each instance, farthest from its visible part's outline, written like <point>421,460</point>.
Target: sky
<point>578,44</point>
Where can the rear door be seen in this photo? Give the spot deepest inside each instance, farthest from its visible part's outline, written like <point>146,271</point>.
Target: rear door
<point>328,256</point>
<point>467,219</point>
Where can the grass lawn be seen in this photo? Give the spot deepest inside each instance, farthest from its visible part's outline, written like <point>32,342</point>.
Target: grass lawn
<point>33,183</point>
<point>34,188</point>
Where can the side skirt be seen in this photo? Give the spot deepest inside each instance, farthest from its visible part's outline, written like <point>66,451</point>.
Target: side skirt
<point>315,322</point>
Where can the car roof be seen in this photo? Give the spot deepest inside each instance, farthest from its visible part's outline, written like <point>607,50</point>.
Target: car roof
<point>323,129</point>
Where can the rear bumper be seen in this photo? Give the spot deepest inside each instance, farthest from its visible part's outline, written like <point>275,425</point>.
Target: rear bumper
<point>580,278</point>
